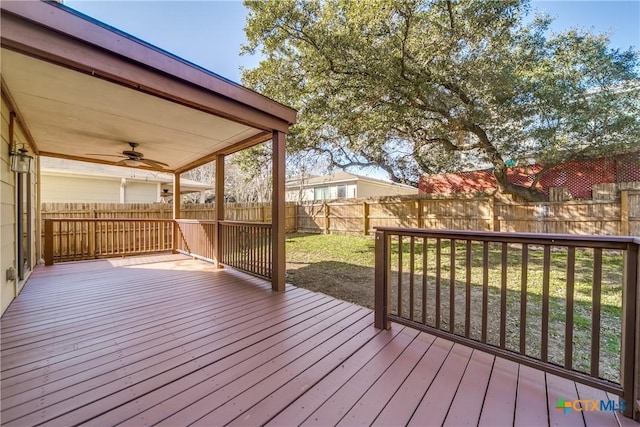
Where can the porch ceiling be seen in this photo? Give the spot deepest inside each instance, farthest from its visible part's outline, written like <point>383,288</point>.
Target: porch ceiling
<point>84,90</point>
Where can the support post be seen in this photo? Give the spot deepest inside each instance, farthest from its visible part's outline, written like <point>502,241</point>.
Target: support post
<point>176,211</point>
<point>628,360</point>
<point>278,213</point>
<point>219,213</point>
<point>382,290</point>
<point>39,254</point>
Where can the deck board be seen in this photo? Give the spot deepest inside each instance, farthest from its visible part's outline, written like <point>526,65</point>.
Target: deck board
<point>168,340</point>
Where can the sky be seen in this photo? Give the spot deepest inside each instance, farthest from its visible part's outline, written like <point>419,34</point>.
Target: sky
<point>210,33</point>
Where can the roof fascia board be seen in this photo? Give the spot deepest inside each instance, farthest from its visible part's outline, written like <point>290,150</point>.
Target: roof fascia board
<point>42,43</point>
<point>63,20</point>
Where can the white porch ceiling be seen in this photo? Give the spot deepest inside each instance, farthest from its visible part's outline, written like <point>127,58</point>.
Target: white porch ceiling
<point>73,114</point>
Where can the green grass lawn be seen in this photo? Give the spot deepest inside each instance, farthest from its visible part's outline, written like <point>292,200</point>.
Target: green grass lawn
<point>343,266</point>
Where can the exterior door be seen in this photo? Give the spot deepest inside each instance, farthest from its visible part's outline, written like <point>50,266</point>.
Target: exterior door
<point>23,218</point>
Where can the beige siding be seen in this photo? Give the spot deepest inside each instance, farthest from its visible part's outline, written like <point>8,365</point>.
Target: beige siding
<point>8,211</point>
<point>371,189</point>
<point>7,218</point>
<point>141,192</point>
<point>87,189</point>
<point>79,189</point>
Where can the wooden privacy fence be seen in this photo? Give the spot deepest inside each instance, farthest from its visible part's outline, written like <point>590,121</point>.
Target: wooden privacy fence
<point>481,213</point>
<point>504,292</point>
<point>361,217</point>
<point>247,212</point>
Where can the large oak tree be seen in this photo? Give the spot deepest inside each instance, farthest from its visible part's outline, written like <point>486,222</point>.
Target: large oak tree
<point>428,86</point>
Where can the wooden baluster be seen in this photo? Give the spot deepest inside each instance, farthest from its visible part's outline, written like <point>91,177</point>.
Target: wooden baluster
<point>400,275</point>
<point>452,286</point>
<point>411,276</point>
<point>467,301</point>
<point>438,271</point>
<point>523,299</point>
<point>595,312</point>
<point>568,334</point>
<point>424,279</point>
<point>485,290</point>
<point>503,296</point>
<point>546,269</point>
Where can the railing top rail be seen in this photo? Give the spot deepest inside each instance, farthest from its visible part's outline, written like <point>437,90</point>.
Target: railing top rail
<point>109,219</point>
<point>194,221</point>
<point>246,223</point>
<point>607,242</point>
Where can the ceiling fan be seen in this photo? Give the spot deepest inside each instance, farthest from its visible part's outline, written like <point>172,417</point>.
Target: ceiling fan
<point>133,156</point>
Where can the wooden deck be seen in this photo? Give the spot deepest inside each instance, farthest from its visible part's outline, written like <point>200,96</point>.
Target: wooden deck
<point>166,340</point>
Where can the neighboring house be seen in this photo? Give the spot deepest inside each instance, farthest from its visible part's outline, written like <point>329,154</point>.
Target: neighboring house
<point>69,181</point>
<point>342,185</point>
<point>578,176</point>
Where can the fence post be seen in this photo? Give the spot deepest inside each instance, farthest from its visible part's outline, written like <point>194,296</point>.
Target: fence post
<point>365,218</point>
<point>624,213</point>
<point>326,218</point>
<point>629,363</point>
<point>419,216</point>
<point>382,290</point>
<point>48,242</point>
<point>492,214</point>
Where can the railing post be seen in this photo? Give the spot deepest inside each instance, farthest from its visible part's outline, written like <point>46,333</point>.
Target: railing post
<point>382,290</point>
<point>629,365</point>
<point>48,242</point>
<point>636,374</point>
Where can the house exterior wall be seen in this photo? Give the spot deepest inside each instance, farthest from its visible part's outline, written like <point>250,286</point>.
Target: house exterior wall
<point>84,189</point>
<point>373,189</point>
<point>79,189</point>
<point>7,218</point>
<point>327,192</point>
<point>354,189</point>
<point>8,212</point>
<point>141,192</point>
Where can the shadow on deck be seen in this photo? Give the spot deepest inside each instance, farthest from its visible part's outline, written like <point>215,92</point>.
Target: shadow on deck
<point>172,341</point>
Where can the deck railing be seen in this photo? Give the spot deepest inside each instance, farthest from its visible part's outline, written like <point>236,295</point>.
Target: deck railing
<point>196,238</point>
<point>242,245</point>
<point>69,239</point>
<point>568,305</point>
<point>246,246</point>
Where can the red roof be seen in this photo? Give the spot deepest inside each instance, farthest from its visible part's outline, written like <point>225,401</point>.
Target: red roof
<point>578,176</point>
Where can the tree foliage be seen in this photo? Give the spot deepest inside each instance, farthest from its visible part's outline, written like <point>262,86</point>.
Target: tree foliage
<point>428,86</point>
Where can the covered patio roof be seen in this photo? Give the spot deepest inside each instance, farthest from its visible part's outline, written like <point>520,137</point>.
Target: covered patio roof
<point>84,90</point>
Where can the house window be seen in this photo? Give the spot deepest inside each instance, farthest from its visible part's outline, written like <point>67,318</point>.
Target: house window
<point>320,193</point>
<point>342,191</point>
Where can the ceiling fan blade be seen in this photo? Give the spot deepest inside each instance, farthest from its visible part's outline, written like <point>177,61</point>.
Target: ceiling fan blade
<point>123,162</point>
<point>154,163</point>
